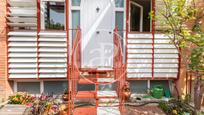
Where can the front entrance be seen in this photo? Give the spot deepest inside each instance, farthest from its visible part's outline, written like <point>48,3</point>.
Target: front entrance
<point>97,25</point>
<point>97,20</point>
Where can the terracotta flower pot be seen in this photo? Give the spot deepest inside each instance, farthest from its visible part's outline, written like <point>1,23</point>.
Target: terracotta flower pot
<point>63,112</point>
<point>126,95</point>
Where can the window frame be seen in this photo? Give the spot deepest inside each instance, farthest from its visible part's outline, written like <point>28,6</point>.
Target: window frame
<point>42,88</point>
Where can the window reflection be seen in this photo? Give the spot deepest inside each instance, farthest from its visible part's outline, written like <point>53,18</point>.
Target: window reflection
<point>54,15</point>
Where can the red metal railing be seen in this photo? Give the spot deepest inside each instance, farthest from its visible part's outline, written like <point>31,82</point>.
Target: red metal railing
<point>75,65</point>
<point>119,67</point>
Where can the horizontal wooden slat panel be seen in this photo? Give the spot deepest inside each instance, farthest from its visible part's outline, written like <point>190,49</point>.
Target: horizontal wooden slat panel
<point>139,75</point>
<point>22,75</point>
<point>166,70</point>
<point>21,19</point>
<point>22,39</point>
<point>58,75</point>
<point>166,61</point>
<point>140,49</point>
<point>56,55</point>
<point>53,39</point>
<point>23,65</point>
<point>50,49</point>
<point>140,46</point>
<point>52,65</point>
<point>174,56</point>
<point>139,65</point>
<point>140,70</point>
<point>140,56</point>
<point>53,34</point>
<point>51,70</point>
<point>53,60</point>
<point>141,41</point>
<point>24,49</point>
<point>23,33</point>
<point>139,61</point>
<point>22,55</point>
<point>143,51</point>
<point>165,75</point>
<point>15,59</point>
<point>52,44</point>
<point>23,70</point>
<point>166,65</point>
<point>167,51</point>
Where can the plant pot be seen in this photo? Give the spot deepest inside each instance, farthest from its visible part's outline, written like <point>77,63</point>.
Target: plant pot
<point>126,95</point>
<point>63,112</point>
<point>65,97</point>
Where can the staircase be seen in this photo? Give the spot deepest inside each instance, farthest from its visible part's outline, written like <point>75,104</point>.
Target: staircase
<point>147,59</point>
<point>106,93</point>
<point>105,96</point>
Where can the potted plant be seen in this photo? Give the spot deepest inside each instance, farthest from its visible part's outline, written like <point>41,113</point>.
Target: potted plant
<point>65,95</point>
<point>126,91</point>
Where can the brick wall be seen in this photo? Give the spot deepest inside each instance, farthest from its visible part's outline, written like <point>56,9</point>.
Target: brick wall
<point>5,87</point>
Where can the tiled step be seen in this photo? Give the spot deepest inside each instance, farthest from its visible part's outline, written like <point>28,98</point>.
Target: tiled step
<point>108,102</point>
<point>93,80</point>
<point>108,111</point>
<point>108,94</point>
<point>105,80</point>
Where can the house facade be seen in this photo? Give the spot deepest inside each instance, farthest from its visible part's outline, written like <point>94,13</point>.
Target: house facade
<point>47,45</point>
<point>40,34</point>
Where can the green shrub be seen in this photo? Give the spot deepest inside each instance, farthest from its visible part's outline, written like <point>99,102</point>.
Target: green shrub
<point>175,107</point>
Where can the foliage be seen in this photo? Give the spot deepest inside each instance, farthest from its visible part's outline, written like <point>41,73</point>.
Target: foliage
<point>187,99</point>
<point>197,59</point>
<point>184,19</point>
<point>46,105</point>
<point>21,98</point>
<point>175,107</point>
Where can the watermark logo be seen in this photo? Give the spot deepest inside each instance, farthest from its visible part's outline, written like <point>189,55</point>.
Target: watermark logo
<point>102,52</point>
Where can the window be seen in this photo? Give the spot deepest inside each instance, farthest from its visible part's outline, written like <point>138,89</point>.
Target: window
<point>30,87</point>
<point>75,21</point>
<point>54,15</point>
<point>119,18</point>
<point>75,18</point>
<point>55,87</point>
<point>138,86</point>
<point>119,3</point>
<point>76,2</point>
